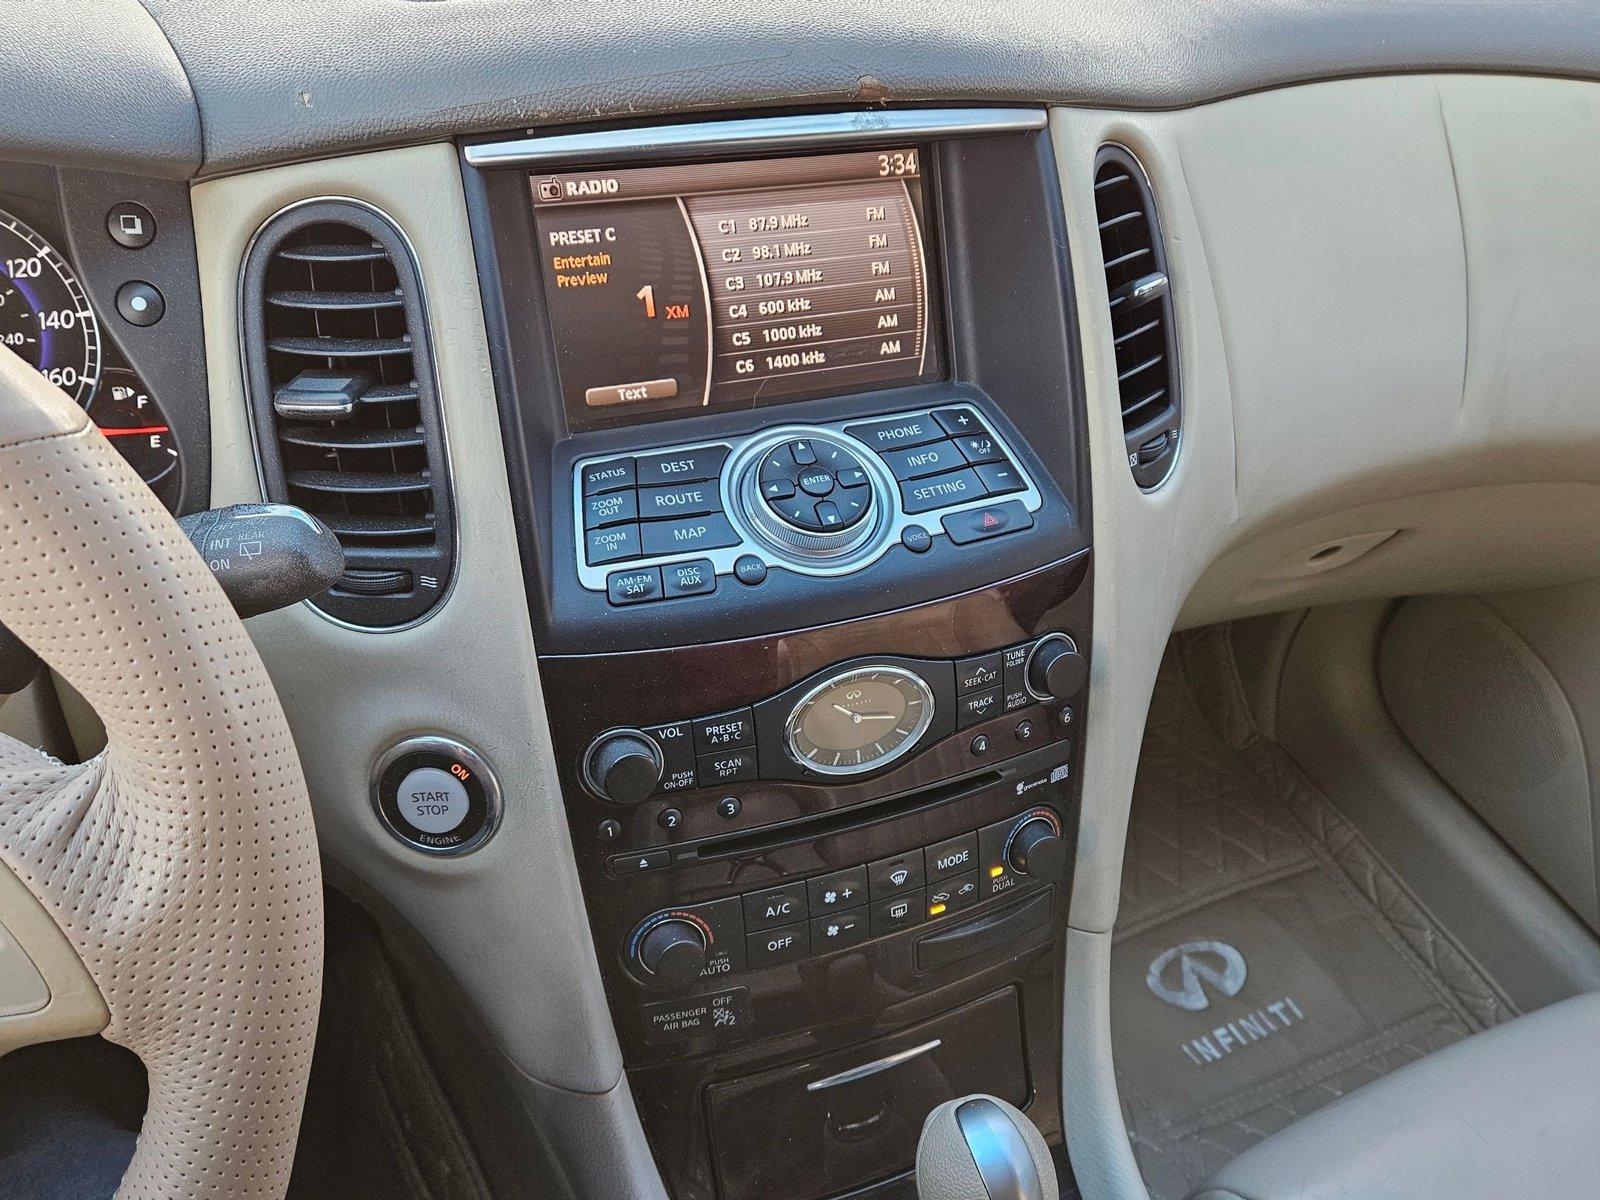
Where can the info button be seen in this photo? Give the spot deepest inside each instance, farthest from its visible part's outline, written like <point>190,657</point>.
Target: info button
<point>631,393</point>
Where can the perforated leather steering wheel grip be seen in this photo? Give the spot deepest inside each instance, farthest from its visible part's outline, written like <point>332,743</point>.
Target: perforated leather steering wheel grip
<point>181,863</point>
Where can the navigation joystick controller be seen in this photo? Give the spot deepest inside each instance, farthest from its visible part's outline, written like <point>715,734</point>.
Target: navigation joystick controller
<point>623,766</point>
<point>1055,670</point>
<point>981,1148</point>
<point>673,952</point>
<point>1038,850</point>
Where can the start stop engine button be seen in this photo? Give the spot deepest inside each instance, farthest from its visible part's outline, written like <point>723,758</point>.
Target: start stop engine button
<point>433,800</point>
<point>436,795</point>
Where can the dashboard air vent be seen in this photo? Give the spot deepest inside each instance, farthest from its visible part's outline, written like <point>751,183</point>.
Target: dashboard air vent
<point>343,399</point>
<point>1142,329</point>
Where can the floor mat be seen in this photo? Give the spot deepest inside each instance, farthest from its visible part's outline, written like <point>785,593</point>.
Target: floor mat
<point>1265,961</point>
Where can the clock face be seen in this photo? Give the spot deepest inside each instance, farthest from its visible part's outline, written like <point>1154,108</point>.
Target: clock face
<point>859,720</point>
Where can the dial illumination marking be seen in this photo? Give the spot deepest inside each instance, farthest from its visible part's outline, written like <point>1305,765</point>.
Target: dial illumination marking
<point>45,316</point>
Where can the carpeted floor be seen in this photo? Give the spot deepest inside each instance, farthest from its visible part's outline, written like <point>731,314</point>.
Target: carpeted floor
<point>1265,961</point>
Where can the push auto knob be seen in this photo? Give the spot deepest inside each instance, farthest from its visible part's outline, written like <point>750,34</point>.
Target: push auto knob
<point>1056,671</point>
<point>673,953</point>
<point>1038,850</point>
<point>623,766</point>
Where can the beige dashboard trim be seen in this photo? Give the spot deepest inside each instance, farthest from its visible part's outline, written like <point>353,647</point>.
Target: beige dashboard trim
<point>507,922</point>
<point>73,1006</point>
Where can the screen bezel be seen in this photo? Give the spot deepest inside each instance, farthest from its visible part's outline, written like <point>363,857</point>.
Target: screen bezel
<point>937,361</point>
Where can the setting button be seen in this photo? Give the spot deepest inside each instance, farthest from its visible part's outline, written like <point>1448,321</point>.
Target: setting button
<point>736,728</point>
<point>775,906</point>
<point>941,491</point>
<point>680,466</point>
<point>776,946</point>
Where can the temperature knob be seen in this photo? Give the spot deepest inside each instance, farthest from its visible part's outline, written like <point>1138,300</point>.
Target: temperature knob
<point>1056,671</point>
<point>673,952</point>
<point>1038,850</point>
<point>623,766</point>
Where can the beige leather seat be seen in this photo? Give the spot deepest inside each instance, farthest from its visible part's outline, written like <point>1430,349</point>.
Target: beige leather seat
<point>1511,1113</point>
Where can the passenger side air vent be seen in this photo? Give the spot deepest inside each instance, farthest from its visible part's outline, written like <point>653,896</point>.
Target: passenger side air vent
<point>1142,328</point>
<point>343,400</point>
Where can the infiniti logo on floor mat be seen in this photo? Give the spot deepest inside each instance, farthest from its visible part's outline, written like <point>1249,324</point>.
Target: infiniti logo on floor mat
<point>1216,963</point>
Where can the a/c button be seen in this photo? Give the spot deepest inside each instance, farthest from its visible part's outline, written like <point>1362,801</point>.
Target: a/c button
<point>777,945</point>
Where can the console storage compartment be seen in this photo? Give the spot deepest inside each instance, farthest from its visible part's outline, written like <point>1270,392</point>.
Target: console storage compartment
<point>829,1124</point>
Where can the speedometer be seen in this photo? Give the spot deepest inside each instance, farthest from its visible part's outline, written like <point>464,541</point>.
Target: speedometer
<point>44,315</point>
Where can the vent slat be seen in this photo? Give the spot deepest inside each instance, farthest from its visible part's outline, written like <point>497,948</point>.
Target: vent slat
<point>360,483</point>
<point>1140,307</point>
<point>335,436</point>
<point>335,301</point>
<point>340,347</point>
<point>334,253</point>
<point>379,527</point>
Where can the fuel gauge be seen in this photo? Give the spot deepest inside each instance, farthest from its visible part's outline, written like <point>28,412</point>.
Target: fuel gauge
<point>125,412</point>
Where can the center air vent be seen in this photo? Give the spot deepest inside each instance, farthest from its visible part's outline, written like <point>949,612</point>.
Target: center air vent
<point>1142,330</point>
<point>342,394</point>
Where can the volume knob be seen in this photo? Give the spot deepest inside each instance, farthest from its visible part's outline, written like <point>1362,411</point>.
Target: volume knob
<point>1056,671</point>
<point>673,952</point>
<point>623,766</point>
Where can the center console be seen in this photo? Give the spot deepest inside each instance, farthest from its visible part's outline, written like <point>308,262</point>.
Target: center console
<point>794,419</point>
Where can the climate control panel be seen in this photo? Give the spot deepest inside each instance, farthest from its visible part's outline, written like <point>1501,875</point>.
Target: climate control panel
<point>680,948</point>
<point>820,500</point>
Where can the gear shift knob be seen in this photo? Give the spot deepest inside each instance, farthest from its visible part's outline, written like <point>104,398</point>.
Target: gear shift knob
<point>981,1148</point>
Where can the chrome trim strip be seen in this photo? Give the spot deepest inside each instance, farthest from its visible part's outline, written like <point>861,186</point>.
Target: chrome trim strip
<point>866,1070</point>
<point>757,133</point>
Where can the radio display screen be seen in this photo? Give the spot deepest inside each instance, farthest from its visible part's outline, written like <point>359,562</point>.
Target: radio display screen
<point>679,289</point>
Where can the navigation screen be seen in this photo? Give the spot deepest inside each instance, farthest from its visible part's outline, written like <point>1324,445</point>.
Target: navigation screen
<point>682,288</point>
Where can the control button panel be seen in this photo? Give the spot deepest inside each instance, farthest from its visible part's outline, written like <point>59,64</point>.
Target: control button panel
<point>803,918</point>
<point>820,728</point>
<point>816,499</point>
<point>436,795</point>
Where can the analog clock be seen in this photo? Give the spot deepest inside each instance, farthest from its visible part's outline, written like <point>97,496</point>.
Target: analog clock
<point>859,720</point>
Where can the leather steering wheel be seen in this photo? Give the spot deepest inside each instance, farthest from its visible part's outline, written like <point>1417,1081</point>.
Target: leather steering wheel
<point>181,862</point>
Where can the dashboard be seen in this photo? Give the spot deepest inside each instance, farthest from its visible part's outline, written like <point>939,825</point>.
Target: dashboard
<point>758,581</point>
<point>84,302</point>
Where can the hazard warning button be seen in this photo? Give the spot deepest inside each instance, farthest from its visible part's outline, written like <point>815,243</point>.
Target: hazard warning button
<point>992,520</point>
